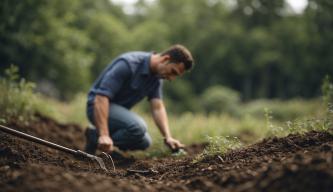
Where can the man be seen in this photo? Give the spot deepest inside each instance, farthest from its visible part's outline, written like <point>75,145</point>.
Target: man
<point>127,80</point>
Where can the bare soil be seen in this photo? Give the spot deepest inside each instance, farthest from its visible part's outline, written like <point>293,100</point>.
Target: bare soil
<point>293,163</point>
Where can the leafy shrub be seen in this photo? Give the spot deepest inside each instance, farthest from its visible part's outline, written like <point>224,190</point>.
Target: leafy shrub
<point>16,96</point>
<point>17,99</point>
<point>221,100</point>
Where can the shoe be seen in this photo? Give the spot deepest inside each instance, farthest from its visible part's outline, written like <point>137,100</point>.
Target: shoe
<point>118,156</point>
<point>122,159</point>
<point>91,140</point>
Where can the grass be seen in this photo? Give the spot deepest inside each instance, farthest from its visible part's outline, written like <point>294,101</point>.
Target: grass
<point>198,127</point>
<point>220,130</point>
<point>73,111</point>
<point>214,128</point>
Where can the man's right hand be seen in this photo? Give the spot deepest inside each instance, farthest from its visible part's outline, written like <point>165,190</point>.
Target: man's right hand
<point>105,143</point>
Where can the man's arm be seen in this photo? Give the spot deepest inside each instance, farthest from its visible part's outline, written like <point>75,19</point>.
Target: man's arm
<point>161,119</point>
<point>110,84</point>
<point>101,112</point>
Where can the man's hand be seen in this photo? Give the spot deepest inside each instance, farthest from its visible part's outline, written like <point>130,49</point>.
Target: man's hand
<point>105,143</point>
<point>173,144</point>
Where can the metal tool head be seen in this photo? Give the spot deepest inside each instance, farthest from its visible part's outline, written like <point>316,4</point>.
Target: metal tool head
<point>108,156</point>
<point>93,157</point>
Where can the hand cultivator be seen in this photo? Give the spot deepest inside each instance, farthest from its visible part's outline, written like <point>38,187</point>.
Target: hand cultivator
<point>76,153</point>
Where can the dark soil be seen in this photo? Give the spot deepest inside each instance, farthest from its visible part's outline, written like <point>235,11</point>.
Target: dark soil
<point>294,163</point>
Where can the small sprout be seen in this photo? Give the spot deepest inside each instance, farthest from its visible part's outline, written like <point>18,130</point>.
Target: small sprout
<point>179,153</point>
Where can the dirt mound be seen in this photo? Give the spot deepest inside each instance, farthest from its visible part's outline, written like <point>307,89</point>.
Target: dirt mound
<point>69,135</point>
<point>293,163</point>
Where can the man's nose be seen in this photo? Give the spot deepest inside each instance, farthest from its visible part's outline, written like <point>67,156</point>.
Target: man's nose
<point>171,78</point>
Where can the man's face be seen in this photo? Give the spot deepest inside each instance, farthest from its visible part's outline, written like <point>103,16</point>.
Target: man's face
<point>170,71</point>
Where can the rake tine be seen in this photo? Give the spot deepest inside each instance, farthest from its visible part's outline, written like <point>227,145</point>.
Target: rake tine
<point>109,157</point>
<point>97,159</point>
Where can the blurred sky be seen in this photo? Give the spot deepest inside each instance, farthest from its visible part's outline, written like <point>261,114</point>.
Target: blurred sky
<point>297,5</point>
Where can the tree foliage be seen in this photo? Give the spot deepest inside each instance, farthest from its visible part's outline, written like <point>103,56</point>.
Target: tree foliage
<point>256,47</point>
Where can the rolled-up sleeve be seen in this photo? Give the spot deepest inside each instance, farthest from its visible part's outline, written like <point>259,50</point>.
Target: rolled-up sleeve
<point>114,79</point>
<point>157,91</point>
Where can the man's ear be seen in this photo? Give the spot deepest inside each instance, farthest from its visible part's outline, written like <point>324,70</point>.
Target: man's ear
<point>165,58</point>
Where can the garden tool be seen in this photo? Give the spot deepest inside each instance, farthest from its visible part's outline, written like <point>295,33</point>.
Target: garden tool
<point>76,153</point>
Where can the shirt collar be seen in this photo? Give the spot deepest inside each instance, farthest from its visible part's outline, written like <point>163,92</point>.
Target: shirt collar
<point>146,66</point>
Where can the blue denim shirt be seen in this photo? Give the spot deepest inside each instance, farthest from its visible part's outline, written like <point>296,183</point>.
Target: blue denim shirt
<point>127,80</point>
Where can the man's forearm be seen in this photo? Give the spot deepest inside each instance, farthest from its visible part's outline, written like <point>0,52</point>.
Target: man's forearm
<point>101,111</point>
<point>161,119</point>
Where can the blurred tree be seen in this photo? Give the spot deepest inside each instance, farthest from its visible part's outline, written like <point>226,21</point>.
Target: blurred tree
<point>109,38</point>
<point>254,13</point>
<point>319,22</point>
<point>102,23</point>
<point>38,37</point>
<point>255,47</point>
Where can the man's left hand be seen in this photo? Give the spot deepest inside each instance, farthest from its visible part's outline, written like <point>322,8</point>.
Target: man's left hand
<point>173,144</point>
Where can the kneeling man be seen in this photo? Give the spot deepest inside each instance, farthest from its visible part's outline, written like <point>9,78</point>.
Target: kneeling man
<point>126,81</point>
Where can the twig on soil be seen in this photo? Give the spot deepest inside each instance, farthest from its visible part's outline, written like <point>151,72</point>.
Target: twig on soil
<point>90,166</point>
<point>220,158</point>
<point>144,172</point>
<point>162,176</point>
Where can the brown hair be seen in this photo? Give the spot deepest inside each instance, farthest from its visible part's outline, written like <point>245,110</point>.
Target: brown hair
<point>180,54</point>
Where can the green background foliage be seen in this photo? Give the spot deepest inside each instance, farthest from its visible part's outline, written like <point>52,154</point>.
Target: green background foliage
<point>258,48</point>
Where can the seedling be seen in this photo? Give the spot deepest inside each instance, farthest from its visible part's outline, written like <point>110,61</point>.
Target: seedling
<point>179,152</point>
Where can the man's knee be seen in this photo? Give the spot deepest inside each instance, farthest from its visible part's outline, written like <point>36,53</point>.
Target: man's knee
<point>146,142</point>
<point>140,144</point>
<point>137,129</point>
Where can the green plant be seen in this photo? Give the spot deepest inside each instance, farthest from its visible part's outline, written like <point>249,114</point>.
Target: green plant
<point>327,91</point>
<point>221,145</point>
<point>272,130</point>
<point>218,145</point>
<point>18,101</point>
<point>16,96</point>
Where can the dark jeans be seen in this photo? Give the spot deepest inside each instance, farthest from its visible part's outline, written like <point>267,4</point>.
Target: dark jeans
<point>128,130</point>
